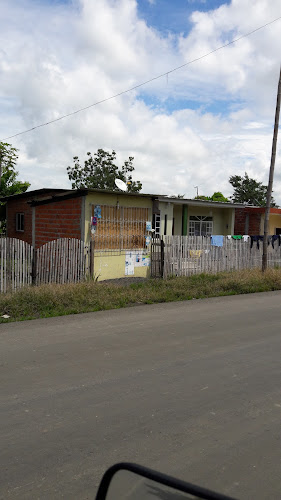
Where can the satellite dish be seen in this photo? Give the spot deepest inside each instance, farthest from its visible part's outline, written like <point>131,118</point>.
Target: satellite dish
<point>120,184</point>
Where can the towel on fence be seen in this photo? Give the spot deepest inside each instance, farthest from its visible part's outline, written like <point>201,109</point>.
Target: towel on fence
<point>195,253</point>
<point>257,238</point>
<point>246,237</point>
<point>217,240</point>
<point>229,236</point>
<point>237,236</point>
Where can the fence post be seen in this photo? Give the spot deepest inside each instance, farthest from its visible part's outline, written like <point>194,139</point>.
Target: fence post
<point>34,265</point>
<point>92,260</point>
<point>162,258</point>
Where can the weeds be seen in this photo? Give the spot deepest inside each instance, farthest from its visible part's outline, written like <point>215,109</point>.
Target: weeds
<point>57,300</point>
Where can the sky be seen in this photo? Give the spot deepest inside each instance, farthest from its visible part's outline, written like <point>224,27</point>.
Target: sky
<point>196,126</point>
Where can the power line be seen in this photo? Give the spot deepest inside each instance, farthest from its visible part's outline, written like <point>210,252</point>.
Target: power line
<point>143,83</point>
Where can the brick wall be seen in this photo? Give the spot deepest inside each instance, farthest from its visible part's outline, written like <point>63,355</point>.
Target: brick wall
<point>254,220</point>
<point>61,219</point>
<point>19,206</point>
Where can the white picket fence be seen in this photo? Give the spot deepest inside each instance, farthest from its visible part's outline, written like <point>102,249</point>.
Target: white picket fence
<point>66,260</point>
<point>187,255</point>
<point>16,259</point>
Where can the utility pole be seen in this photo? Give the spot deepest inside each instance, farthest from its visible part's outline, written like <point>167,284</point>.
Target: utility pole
<point>196,187</point>
<point>271,173</point>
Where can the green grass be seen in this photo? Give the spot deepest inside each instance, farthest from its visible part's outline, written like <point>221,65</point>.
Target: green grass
<point>58,300</point>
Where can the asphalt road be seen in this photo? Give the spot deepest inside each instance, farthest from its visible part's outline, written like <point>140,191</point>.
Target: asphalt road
<point>192,389</point>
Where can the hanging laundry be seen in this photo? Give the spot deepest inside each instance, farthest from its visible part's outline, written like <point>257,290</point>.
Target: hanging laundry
<point>217,240</point>
<point>275,237</point>
<point>195,253</point>
<point>246,237</point>
<point>237,236</point>
<point>229,236</point>
<point>257,239</point>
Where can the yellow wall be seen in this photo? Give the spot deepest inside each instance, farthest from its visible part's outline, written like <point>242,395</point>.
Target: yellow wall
<point>113,266</point>
<point>178,220</point>
<point>112,199</point>
<point>107,265</point>
<point>222,217</point>
<point>274,222</point>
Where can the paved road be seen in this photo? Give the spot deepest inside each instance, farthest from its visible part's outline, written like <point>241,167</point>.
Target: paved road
<point>190,388</point>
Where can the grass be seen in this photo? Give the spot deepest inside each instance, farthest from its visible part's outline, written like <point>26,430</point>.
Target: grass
<point>58,300</point>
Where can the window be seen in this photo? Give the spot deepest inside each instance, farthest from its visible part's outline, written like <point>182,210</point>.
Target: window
<point>19,222</point>
<point>119,228</point>
<point>200,225</point>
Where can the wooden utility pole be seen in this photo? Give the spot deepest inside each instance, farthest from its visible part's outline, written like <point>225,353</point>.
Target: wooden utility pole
<point>271,173</point>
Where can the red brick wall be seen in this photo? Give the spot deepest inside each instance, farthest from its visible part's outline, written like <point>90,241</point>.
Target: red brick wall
<point>253,224</point>
<point>19,206</point>
<point>61,219</point>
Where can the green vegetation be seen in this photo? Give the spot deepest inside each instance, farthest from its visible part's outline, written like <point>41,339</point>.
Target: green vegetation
<point>100,172</point>
<point>59,300</point>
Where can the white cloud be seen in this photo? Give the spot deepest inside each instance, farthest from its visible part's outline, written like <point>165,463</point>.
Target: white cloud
<point>57,58</point>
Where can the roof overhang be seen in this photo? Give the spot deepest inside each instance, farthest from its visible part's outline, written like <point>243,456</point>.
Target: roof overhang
<point>200,203</point>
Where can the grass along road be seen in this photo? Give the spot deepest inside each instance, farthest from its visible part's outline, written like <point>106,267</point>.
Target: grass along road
<point>59,300</point>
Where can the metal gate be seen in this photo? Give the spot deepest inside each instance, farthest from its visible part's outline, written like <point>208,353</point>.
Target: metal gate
<point>157,257</point>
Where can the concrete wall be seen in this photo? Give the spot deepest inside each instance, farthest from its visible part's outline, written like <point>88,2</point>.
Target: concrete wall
<point>166,208</point>
<point>222,217</point>
<point>111,265</point>
<point>274,222</point>
<point>112,200</point>
<point>178,220</point>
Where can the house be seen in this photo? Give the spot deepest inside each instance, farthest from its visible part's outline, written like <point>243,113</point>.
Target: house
<point>250,220</point>
<point>118,223</point>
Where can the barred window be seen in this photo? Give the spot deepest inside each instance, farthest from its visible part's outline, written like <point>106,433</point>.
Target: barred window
<point>200,225</point>
<point>119,228</point>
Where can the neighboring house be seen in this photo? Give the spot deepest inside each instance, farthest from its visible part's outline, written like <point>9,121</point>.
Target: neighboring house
<point>177,216</point>
<point>250,220</point>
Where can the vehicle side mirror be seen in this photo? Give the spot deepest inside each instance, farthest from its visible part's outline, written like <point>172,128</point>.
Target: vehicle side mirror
<point>127,481</point>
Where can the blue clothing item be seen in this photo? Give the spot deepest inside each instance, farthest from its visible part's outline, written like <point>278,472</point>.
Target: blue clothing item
<point>217,240</point>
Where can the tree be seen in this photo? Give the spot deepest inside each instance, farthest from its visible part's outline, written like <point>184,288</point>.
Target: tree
<point>100,172</point>
<point>9,184</point>
<point>217,196</point>
<point>250,191</point>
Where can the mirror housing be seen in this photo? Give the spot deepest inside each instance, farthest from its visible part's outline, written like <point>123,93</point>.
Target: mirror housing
<point>134,482</point>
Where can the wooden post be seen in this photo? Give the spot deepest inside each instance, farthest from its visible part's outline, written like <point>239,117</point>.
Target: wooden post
<point>271,173</point>
<point>34,265</point>
<point>92,255</point>
<point>162,257</point>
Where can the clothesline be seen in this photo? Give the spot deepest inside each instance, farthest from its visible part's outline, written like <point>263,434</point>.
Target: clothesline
<point>217,240</point>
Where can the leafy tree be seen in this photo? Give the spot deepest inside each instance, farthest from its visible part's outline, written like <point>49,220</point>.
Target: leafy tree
<point>9,184</point>
<point>250,191</point>
<point>100,172</point>
<point>217,196</point>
